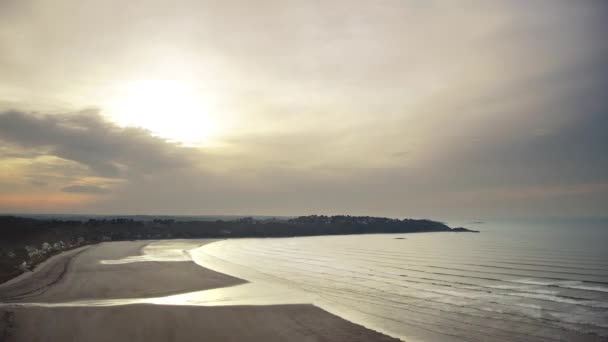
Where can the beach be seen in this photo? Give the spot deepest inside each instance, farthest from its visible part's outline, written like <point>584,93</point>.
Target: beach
<point>116,270</point>
<point>415,287</point>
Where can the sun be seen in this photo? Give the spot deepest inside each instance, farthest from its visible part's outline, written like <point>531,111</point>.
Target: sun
<point>172,109</point>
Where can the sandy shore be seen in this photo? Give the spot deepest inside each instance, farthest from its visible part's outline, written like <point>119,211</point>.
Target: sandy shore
<point>79,275</point>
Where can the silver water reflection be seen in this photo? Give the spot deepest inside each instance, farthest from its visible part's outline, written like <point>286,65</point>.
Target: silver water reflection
<point>438,286</point>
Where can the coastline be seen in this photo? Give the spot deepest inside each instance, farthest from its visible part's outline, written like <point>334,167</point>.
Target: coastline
<point>27,242</point>
<point>84,277</point>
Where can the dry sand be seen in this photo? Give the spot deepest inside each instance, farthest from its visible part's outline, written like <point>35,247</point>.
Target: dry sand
<point>78,275</point>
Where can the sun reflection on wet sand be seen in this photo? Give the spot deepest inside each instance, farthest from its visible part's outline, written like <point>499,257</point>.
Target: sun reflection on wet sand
<point>163,251</point>
<point>245,294</point>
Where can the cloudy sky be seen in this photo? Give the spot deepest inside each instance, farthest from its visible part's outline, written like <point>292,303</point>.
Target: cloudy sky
<point>440,109</point>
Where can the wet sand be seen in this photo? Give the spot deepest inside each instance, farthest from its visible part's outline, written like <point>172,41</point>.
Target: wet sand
<point>79,275</point>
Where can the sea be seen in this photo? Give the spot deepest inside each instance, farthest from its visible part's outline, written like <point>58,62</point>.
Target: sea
<point>528,280</point>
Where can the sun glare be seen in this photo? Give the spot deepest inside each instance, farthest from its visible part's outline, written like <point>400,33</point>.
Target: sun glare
<point>171,109</point>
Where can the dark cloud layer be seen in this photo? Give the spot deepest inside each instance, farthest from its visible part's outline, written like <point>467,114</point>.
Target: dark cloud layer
<point>88,139</point>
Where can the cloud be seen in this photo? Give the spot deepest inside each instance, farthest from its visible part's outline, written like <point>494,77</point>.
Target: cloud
<point>87,138</point>
<point>90,189</point>
<point>357,107</point>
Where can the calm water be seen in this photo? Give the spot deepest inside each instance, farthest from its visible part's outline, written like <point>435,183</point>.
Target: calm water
<point>513,282</point>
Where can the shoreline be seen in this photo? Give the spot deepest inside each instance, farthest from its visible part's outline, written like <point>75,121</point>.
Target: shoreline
<point>150,241</point>
<point>25,242</point>
<point>151,322</point>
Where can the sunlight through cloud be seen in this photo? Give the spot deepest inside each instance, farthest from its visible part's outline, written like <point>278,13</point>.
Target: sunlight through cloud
<point>171,109</point>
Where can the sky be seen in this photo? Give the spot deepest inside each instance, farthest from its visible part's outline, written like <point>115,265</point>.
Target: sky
<point>405,108</point>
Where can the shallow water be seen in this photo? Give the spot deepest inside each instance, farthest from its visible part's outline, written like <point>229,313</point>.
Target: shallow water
<point>512,282</point>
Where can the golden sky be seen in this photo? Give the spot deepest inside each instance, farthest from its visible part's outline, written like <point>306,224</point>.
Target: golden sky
<point>399,108</point>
